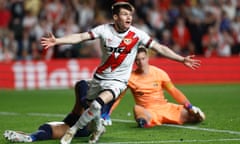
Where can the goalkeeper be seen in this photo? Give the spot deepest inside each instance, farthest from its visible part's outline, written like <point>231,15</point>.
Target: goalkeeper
<point>152,108</point>
<point>55,130</point>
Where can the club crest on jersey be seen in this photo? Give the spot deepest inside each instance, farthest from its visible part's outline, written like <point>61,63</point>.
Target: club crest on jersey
<point>127,41</point>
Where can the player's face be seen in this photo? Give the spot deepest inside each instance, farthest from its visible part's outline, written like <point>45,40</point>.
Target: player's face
<point>141,60</point>
<point>123,20</point>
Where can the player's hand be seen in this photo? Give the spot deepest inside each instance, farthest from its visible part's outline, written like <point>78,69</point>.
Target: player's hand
<point>197,113</point>
<point>49,41</point>
<point>190,62</point>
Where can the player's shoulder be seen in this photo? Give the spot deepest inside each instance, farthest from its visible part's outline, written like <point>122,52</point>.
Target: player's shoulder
<point>156,69</point>
<point>159,73</point>
<point>134,75</point>
<point>102,30</point>
<point>140,33</point>
<point>137,30</point>
<point>103,26</point>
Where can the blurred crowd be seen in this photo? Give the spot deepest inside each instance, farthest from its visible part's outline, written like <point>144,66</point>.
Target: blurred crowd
<point>202,27</point>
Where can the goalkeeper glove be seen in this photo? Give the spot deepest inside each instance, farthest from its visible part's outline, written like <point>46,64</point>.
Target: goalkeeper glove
<point>196,112</point>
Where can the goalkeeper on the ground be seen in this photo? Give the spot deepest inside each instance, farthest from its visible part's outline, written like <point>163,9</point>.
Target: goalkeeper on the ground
<point>147,84</point>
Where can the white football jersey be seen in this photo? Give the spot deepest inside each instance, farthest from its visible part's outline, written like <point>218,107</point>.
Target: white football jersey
<point>118,50</point>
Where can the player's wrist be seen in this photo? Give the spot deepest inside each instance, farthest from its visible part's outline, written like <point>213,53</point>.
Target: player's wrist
<point>184,59</point>
<point>188,106</point>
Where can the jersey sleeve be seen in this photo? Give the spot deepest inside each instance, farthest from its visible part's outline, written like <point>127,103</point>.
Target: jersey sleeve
<point>97,31</point>
<point>171,89</point>
<point>146,40</point>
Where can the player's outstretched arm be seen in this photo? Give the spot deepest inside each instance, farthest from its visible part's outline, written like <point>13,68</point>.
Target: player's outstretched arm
<point>51,40</point>
<point>190,62</point>
<point>167,52</point>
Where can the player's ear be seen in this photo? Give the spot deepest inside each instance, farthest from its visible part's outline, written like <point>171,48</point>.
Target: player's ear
<point>115,17</point>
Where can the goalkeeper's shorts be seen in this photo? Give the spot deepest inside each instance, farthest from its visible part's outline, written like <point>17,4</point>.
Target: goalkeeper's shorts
<point>168,113</point>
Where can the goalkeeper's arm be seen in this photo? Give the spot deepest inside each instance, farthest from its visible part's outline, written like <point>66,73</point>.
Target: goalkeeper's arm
<point>182,99</point>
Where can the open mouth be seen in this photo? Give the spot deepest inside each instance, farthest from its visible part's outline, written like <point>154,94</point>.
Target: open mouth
<point>128,22</point>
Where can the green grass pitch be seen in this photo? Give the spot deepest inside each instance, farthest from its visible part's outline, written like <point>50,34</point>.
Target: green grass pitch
<point>25,110</point>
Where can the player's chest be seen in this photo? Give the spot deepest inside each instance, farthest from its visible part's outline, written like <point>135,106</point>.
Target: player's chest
<point>148,83</point>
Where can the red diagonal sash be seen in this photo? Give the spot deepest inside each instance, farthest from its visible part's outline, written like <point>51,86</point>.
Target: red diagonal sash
<point>127,43</point>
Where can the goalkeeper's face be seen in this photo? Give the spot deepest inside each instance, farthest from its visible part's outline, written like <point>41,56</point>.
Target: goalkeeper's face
<point>141,60</point>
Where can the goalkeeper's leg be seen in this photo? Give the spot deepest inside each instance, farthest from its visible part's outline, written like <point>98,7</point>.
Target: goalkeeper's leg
<point>142,116</point>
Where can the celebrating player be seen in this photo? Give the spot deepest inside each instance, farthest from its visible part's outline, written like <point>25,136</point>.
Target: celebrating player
<point>147,83</point>
<point>120,41</point>
<point>55,130</point>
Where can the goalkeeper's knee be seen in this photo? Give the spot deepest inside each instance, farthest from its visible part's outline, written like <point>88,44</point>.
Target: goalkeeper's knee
<point>142,123</point>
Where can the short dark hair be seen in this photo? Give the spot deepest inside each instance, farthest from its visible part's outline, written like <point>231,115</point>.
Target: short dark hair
<point>142,49</point>
<point>118,5</point>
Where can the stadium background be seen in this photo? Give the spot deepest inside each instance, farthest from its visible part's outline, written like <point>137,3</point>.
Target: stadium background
<point>209,29</point>
<point>58,74</point>
<point>214,86</point>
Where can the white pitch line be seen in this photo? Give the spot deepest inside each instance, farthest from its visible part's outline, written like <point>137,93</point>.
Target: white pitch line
<point>187,127</point>
<point>174,141</point>
<point>46,114</point>
<point>205,129</point>
<point>128,121</point>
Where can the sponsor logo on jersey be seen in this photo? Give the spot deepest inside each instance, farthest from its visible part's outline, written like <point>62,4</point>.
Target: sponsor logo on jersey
<point>115,49</point>
<point>127,41</point>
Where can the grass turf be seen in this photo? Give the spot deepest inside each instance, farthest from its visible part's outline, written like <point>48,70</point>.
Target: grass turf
<point>25,110</point>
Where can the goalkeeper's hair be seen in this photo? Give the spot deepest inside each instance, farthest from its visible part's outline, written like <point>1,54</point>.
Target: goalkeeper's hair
<point>141,48</point>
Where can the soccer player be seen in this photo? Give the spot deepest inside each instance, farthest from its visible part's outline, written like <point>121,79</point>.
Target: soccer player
<point>147,84</point>
<point>120,41</point>
<point>55,130</point>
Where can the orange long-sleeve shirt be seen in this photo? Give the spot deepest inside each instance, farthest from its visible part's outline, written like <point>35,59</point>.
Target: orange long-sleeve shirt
<point>148,90</point>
